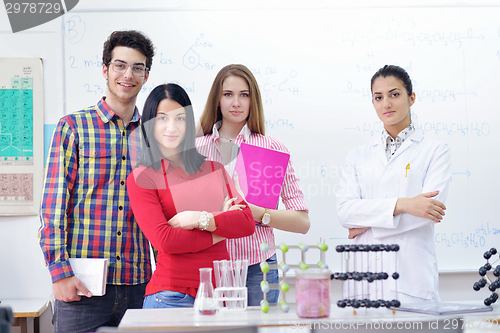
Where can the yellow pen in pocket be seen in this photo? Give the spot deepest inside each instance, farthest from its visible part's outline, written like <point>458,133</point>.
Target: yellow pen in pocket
<point>407,180</point>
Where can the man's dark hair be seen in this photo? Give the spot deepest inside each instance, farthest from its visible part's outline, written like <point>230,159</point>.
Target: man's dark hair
<point>131,38</point>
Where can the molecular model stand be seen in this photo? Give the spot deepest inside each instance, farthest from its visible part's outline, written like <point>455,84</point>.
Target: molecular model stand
<point>485,280</point>
<point>357,257</point>
<point>284,267</point>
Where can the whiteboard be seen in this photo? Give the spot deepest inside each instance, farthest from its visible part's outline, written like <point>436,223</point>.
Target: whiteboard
<point>314,67</point>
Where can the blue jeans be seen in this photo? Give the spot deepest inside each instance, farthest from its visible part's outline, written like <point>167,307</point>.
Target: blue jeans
<point>254,278</point>
<point>88,314</point>
<point>168,299</point>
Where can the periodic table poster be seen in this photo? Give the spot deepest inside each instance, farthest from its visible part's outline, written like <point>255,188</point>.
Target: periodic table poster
<point>21,135</point>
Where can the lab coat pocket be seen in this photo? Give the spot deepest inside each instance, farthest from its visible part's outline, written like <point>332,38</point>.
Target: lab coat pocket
<point>417,270</point>
<point>413,183</point>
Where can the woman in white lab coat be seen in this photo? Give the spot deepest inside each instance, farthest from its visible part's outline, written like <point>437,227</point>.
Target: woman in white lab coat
<point>392,191</point>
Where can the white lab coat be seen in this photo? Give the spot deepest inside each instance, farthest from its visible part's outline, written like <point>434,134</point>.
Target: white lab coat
<point>369,188</point>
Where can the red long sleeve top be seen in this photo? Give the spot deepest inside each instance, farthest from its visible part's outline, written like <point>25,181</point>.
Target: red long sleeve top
<point>157,196</point>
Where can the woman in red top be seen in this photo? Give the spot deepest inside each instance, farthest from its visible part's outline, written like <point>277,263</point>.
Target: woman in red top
<point>178,200</point>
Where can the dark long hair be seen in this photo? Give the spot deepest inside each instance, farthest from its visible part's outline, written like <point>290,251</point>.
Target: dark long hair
<point>151,154</point>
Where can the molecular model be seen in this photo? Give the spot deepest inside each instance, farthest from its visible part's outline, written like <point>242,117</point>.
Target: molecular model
<point>485,280</point>
<point>284,267</point>
<point>357,257</point>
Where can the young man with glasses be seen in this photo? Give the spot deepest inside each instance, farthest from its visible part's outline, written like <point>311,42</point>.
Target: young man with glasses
<point>85,211</point>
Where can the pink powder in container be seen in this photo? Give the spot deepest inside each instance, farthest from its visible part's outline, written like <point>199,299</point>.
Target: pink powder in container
<point>312,293</point>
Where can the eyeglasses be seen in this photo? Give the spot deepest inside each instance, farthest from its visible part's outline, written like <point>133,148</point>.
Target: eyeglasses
<point>120,67</point>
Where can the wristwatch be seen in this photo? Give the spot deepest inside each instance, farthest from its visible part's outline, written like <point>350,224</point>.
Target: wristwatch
<point>266,218</point>
<point>203,221</point>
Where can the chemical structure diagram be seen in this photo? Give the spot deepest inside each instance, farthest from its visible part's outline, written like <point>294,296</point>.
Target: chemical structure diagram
<point>191,59</point>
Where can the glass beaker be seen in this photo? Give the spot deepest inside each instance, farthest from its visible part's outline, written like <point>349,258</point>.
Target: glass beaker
<point>312,293</point>
<point>205,303</point>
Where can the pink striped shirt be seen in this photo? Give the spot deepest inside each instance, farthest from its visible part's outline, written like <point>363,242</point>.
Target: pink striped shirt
<point>291,194</point>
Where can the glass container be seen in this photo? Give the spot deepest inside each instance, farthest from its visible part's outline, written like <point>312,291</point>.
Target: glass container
<point>312,293</point>
<point>205,303</point>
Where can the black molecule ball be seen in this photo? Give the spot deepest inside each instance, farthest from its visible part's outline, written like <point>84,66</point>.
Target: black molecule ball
<point>395,303</point>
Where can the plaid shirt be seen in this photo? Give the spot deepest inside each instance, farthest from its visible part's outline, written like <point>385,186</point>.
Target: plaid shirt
<point>85,211</point>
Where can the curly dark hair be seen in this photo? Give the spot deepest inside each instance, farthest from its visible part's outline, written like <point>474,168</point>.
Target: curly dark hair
<point>130,38</point>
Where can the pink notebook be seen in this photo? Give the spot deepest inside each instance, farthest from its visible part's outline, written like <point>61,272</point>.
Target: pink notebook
<point>261,172</point>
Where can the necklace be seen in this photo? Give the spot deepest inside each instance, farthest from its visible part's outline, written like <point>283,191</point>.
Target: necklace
<point>223,137</point>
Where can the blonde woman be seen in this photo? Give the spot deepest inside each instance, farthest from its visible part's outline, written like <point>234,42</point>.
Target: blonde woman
<point>233,115</point>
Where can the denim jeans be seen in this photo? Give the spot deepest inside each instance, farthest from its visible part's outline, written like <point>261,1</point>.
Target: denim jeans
<point>168,299</point>
<point>88,314</point>
<point>254,278</point>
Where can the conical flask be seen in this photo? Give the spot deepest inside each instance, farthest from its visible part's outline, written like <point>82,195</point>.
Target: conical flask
<point>205,303</point>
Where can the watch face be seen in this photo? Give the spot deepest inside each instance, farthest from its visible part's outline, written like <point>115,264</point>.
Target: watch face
<point>266,218</point>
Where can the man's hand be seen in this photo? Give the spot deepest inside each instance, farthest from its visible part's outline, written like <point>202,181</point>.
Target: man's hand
<point>65,289</point>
